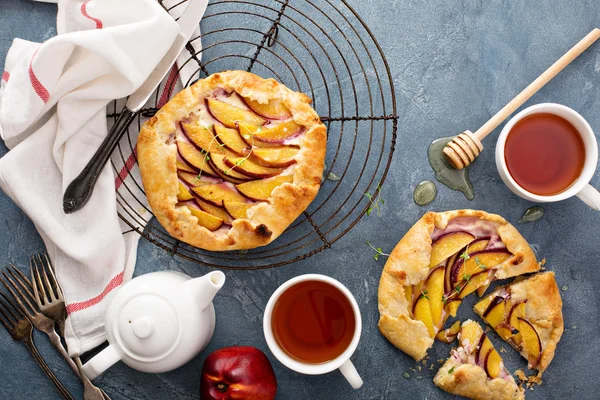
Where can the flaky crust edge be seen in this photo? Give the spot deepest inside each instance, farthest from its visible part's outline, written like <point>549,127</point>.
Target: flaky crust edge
<point>543,309</point>
<point>266,221</point>
<point>408,264</point>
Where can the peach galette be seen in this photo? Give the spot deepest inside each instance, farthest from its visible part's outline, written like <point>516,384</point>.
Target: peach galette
<point>475,369</point>
<point>441,259</point>
<point>528,315</point>
<point>232,160</point>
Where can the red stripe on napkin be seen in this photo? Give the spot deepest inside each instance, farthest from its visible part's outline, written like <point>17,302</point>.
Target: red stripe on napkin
<point>126,168</point>
<point>37,85</point>
<point>85,14</point>
<point>169,86</point>
<point>113,284</point>
<point>5,76</point>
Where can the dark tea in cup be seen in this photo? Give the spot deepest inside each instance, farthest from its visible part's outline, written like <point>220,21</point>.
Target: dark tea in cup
<point>544,154</point>
<point>313,322</point>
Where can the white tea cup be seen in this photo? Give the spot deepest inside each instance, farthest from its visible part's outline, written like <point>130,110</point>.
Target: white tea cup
<point>581,187</point>
<point>341,362</point>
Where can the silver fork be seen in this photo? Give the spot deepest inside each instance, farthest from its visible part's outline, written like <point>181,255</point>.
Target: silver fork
<point>52,304</point>
<point>22,290</point>
<point>21,329</point>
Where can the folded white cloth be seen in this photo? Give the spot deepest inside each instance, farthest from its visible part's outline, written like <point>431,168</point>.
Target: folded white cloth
<point>53,99</point>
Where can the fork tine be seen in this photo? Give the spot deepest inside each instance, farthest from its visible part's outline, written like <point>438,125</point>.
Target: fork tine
<point>57,289</point>
<point>4,322</point>
<point>16,297</point>
<point>7,310</point>
<point>37,282</point>
<point>51,296</point>
<point>22,279</point>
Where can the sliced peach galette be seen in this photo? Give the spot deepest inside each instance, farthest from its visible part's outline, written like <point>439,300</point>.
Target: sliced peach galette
<point>528,315</point>
<point>475,369</point>
<point>441,259</point>
<point>232,160</point>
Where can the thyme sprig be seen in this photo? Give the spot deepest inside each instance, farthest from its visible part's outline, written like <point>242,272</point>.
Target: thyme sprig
<point>375,201</point>
<point>378,251</point>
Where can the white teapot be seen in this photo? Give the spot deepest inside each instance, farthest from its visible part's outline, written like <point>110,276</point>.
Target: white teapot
<point>159,321</point>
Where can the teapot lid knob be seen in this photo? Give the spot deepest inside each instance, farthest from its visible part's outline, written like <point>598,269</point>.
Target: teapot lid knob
<point>143,327</point>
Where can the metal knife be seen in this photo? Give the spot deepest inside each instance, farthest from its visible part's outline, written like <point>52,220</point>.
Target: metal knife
<point>80,190</point>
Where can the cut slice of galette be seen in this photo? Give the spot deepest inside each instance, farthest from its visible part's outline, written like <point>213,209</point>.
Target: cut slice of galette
<point>232,160</point>
<point>476,370</point>
<point>441,259</point>
<point>528,315</point>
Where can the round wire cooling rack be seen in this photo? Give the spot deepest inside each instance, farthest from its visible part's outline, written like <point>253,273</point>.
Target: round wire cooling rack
<point>323,49</point>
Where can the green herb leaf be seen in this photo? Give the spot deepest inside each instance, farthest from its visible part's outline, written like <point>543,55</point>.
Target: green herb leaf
<point>451,370</point>
<point>333,177</point>
<point>378,251</point>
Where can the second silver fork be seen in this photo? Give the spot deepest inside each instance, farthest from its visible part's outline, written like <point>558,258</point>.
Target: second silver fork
<point>50,300</point>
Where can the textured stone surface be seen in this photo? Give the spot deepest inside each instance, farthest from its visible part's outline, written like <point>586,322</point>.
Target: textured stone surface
<point>454,64</point>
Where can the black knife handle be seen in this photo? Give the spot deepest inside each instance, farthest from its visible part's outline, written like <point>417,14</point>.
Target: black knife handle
<point>80,190</point>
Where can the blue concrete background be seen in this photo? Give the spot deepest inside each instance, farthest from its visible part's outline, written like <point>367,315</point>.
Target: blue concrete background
<point>454,64</point>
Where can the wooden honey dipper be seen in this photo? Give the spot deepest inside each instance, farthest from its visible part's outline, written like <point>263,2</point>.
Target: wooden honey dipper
<point>464,148</point>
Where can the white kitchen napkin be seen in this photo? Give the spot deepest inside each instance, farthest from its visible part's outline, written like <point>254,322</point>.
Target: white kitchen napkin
<point>53,100</point>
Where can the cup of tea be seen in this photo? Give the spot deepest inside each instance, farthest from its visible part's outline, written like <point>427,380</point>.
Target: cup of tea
<point>312,325</point>
<point>547,153</point>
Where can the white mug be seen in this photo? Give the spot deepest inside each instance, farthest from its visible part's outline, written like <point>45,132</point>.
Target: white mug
<point>342,361</point>
<point>581,187</point>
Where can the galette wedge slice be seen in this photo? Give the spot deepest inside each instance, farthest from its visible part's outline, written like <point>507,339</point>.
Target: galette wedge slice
<point>475,369</point>
<point>528,315</point>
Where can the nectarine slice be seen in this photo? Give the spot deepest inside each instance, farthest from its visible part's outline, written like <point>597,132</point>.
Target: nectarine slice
<point>477,262</point>
<point>483,305</point>
<point>493,363</point>
<point>277,157</point>
<point>469,335</point>
<point>474,282</point>
<point>238,210</point>
<point>205,219</point>
<point>496,315</point>
<point>448,335</point>
<point>230,115</point>
<point>248,168</point>
<point>218,161</point>
<point>517,311</point>
<point>274,109</point>
<point>231,139</point>
<point>194,157</point>
<point>435,291</point>
<point>183,194</point>
<point>218,212</point>
<point>185,167</point>
<point>408,294</point>
<point>261,190</point>
<point>194,179</point>
<point>276,134</point>
<point>532,345</point>
<point>447,245</point>
<point>247,133</point>
<point>479,244</point>
<point>483,347</point>
<point>422,312</point>
<point>201,136</point>
<point>452,306</point>
<point>216,193</point>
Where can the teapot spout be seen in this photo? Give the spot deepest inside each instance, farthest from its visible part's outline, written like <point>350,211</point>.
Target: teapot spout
<point>205,287</point>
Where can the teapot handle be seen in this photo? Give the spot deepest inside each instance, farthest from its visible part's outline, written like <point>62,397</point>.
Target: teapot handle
<point>101,362</point>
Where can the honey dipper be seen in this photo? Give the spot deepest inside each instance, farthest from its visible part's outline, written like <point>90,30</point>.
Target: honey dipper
<point>464,148</point>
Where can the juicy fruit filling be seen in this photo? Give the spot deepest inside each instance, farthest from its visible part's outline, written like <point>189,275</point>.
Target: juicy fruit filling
<point>463,259</point>
<point>507,317</point>
<point>232,152</point>
<point>477,349</point>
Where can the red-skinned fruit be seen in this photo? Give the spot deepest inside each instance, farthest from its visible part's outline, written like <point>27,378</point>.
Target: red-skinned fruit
<point>238,372</point>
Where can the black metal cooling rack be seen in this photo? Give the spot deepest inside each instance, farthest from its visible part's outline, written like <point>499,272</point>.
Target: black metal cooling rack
<point>318,47</point>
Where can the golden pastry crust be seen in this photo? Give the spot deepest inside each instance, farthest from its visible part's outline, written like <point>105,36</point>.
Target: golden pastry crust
<point>471,380</point>
<point>157,154</point>
<point>408,264</point>
<point>543,310</point>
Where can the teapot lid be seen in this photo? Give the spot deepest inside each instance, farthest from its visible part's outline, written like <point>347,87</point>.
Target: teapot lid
<point>146,327</point>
